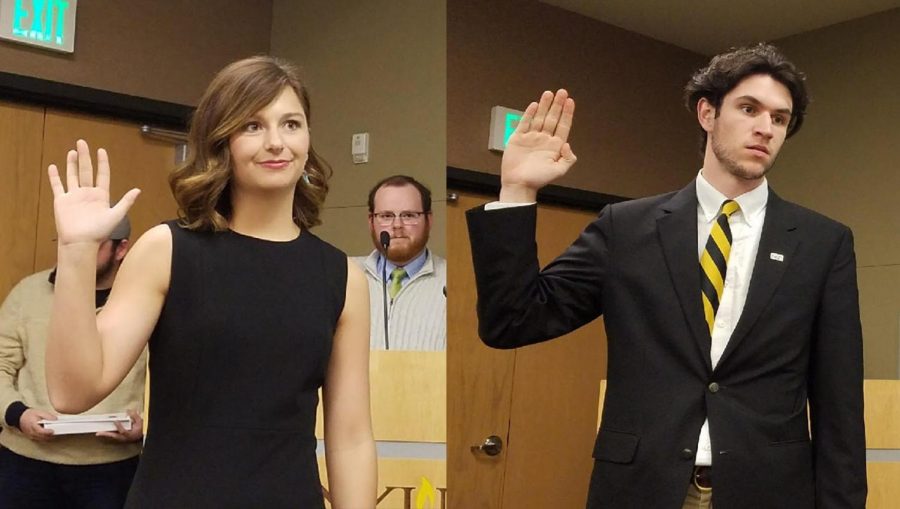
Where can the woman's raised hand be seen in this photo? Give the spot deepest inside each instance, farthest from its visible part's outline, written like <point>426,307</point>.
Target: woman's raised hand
<point>82,211</point>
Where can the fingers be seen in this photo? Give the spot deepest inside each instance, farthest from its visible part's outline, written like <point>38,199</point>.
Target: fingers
<point>85,165</point>
<point>552,115</point>
<point>117,436</point>
<point>71,170</point>
<point>102,169</point>
<point>38,432</point>
<point>564,126</point>
<point>543,107</point>
<point>555,111</point>
<point>527,118</point>
<point>55,182</point>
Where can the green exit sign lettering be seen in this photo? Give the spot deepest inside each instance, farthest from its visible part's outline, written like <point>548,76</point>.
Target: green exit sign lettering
<point>503,123</point>
<point>47,24</point>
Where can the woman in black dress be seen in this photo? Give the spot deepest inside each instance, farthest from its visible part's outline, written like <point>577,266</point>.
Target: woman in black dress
<point>245,311</point>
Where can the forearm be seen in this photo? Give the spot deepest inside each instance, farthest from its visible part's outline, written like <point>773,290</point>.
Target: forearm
<point>352,473</point>
<point>518,304</point>
<point>74,361</point>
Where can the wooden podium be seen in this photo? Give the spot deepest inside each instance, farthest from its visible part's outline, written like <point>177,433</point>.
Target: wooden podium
<point>409,421</point>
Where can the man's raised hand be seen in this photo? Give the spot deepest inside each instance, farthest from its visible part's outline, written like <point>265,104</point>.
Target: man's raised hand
<point>538,151</point>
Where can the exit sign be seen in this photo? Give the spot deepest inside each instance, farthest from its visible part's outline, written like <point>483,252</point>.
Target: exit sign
<point>47,24</point>
<point>503,123</point>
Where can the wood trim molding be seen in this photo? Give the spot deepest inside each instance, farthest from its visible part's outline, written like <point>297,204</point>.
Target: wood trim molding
<point>489,184</point>
<point>54,94</point>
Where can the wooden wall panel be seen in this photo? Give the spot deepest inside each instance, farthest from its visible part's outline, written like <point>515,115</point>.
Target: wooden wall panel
<point>21,130</point>
<point>883,414</point>
<point>884,485</point>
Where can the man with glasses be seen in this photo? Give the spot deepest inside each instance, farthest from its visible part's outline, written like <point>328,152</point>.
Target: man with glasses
<point>407,276</point>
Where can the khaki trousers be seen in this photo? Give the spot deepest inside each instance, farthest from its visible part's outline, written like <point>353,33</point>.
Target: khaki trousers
<point>697,498</point>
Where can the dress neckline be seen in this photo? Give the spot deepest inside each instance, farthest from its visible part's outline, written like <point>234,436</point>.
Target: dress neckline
<point>299,236</point>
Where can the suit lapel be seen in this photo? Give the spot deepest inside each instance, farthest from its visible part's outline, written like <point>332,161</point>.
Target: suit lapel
<point>677,227</point>
<point>778,240</point>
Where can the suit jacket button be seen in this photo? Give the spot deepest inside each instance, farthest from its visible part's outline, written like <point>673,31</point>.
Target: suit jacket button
<point>687,454</point>
<point>714,387</point>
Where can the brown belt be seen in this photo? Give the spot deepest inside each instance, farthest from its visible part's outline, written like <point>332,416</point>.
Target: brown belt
<point>702,477</point>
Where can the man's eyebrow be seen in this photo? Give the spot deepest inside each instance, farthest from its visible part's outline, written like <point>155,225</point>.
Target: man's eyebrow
<point>757,102</point>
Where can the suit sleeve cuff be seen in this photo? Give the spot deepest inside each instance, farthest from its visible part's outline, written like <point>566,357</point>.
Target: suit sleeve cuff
<point>497,205</point>
<point>14,413</point>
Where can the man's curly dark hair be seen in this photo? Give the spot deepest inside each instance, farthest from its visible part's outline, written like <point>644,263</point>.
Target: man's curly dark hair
<point>726,70</point>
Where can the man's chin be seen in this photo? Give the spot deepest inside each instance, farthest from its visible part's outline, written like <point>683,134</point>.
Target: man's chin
<point>750,172</point>
<point>404,251</point>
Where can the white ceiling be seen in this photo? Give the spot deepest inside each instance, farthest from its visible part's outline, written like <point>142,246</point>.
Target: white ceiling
<point>712,26</point>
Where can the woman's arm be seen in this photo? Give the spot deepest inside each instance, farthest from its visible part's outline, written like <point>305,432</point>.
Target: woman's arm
<point>88,355</point>
<point>349,445</point>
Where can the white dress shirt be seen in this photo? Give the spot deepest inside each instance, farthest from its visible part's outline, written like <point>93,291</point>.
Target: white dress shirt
<point>746,228</point>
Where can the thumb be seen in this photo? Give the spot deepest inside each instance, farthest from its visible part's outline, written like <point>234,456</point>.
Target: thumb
<point>121,208</point>
<point>568,157</point>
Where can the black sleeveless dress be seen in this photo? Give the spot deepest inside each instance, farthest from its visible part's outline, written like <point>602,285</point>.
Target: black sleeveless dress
<point>241,347</point>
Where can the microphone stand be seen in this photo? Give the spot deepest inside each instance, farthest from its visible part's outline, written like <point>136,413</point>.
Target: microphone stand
<point>385,239</point>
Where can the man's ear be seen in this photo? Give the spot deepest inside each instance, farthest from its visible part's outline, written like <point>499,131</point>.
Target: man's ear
<point>122,250</point>
<point>706,114</point>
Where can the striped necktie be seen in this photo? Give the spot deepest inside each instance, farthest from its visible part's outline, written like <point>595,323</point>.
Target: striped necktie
<point>714,262</point>
<point>397,276</point>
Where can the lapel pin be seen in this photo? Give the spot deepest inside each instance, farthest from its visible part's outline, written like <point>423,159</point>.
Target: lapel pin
<point>778,257</point>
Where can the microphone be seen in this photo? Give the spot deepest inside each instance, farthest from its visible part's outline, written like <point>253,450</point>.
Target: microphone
<point>385,239</point>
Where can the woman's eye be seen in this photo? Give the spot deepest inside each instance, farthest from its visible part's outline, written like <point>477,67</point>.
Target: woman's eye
<point>251,127</point>
<point>292,124</point>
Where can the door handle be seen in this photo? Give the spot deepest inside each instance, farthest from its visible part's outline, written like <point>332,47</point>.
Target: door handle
<point>491,446</point>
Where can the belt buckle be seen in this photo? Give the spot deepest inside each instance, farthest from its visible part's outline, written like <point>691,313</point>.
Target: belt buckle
<point>701,478</point>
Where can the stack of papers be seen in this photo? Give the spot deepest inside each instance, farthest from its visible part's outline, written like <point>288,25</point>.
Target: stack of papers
<point>86,423</point>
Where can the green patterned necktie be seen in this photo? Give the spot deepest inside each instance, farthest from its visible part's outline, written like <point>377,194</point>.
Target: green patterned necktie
<point>397,276</point>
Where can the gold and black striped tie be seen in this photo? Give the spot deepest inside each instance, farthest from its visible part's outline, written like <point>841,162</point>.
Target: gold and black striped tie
<point>714,262</point>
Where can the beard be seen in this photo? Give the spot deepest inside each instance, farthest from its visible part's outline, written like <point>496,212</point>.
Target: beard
<point>105,269</point>
<point>400,254</point>
<point>732,166</point>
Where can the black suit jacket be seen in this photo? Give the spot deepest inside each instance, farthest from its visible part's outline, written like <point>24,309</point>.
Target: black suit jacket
<point>798,341</point>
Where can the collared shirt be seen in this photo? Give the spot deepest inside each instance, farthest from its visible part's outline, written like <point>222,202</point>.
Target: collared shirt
<point>746,229</point>
<point>412,268</point>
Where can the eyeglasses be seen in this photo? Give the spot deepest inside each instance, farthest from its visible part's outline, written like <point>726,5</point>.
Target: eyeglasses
<point>407,217</point>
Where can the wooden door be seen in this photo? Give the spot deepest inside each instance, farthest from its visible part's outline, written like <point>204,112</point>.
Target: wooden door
<point>542,400</point>
<point>479,380</point>
<point>21,132</point>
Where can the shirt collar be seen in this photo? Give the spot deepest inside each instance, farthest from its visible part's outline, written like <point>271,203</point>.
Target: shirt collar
<point>412,268</point>
<point>752,202</point>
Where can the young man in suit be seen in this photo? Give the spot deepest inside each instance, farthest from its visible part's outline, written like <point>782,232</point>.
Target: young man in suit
<point>728,310</point>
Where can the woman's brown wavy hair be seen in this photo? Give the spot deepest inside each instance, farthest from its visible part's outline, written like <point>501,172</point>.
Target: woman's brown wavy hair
<point>202,185</point>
